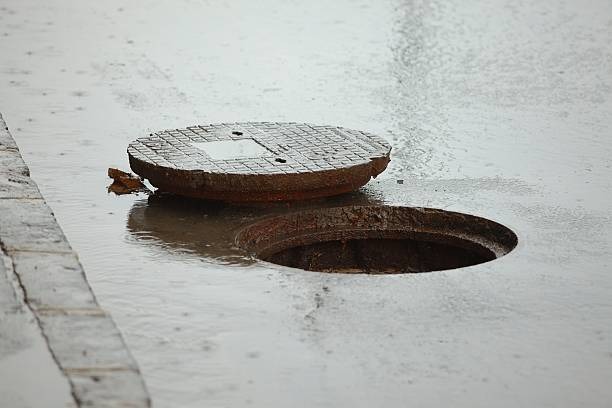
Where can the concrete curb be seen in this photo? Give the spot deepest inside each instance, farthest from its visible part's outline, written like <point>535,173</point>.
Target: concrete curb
<point>81,336</point>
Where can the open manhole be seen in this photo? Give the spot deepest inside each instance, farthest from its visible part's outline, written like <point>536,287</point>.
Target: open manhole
<point>377,240</point>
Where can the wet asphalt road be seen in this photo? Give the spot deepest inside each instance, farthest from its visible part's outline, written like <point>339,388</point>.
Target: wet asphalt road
<point>500,109</point>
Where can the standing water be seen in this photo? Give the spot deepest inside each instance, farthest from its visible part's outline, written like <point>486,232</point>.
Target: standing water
<point>508,99</point>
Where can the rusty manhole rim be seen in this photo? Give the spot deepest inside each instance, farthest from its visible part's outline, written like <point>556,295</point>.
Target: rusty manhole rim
<point>272,235</point>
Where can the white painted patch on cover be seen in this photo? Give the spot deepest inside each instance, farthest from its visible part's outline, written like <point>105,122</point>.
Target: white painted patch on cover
<point>231,149</point>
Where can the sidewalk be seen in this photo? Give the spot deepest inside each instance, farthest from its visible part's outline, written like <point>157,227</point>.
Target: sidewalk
<point>29,376</point>
<point>57,346</point>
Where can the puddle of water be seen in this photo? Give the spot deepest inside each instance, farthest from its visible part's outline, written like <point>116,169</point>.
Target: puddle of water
<point>201,230</point>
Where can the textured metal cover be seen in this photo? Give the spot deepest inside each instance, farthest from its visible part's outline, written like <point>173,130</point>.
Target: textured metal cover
<point>259,161</point>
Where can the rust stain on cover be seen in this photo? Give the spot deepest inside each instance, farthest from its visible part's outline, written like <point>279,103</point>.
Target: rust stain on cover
<point>292,161</point>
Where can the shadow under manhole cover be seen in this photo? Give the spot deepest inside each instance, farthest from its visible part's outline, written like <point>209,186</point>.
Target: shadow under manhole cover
<point>377,240</point>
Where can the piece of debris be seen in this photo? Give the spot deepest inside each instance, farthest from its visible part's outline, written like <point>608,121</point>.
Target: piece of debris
<point>125,183</point>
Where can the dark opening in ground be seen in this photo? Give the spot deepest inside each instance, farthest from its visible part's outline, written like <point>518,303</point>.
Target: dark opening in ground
<point>377,240</point>
<point>379,256</point>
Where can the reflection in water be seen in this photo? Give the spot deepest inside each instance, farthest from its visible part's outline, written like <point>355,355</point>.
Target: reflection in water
<point>186,226</point>
<point>207,229</point>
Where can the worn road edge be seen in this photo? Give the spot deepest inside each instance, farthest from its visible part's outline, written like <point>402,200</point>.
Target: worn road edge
<point>81,336</point>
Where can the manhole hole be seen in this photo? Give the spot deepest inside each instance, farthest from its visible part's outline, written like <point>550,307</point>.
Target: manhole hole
<point>377,240</point>
<point>259,161</point>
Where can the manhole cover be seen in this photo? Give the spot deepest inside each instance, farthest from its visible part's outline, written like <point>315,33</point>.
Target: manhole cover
<point>259,161</point>
<point>377,240</point>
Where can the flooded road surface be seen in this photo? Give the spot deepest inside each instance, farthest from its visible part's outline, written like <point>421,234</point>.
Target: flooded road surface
<point>500,109</point>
